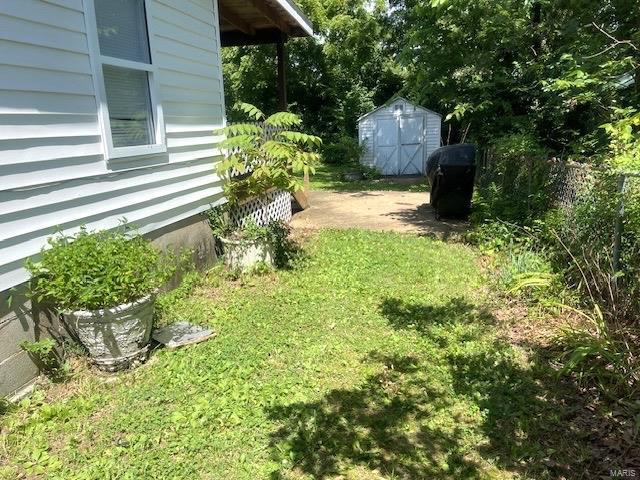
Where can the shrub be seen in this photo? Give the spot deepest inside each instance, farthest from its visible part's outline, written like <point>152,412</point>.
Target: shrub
<point>270,153</point>
<point>93,270</point>
<point>369,173</point>
<point>44,354</point>
<point>343,151</point>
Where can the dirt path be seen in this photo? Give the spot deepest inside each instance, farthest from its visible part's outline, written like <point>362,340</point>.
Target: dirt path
<point>375,210</point>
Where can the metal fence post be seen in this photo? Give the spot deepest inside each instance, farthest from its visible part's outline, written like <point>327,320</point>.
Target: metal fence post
<point>529,184</point>
<point>617,239</point>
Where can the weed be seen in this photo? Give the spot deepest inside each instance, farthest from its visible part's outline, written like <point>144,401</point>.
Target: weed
<point>44,354</point>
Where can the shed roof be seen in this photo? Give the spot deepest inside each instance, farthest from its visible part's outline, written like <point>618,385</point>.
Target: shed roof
<point>251,22</point>
<point>390,101</point>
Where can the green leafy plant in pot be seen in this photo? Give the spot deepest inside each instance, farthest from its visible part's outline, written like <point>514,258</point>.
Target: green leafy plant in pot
<point>265,153</point>
<point>250,244</point>
<point>104,285</point>
<point>268,152</point>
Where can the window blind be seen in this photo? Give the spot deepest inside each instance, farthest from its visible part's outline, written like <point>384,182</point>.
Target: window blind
<point>129,104</point>
<point>122,29</point>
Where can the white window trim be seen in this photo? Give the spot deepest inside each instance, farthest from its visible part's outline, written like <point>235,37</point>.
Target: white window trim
<point>97,60</point>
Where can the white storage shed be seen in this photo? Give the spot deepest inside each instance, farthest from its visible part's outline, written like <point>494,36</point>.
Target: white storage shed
<point>398,137</point>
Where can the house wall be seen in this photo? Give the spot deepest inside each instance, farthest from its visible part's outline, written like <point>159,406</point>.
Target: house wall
<point>53,172</point>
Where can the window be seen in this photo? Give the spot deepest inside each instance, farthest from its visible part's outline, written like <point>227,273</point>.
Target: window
<point>126,78</point>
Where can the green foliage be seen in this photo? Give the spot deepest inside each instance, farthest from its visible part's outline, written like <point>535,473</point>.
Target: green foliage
<point>44,354</point>
<point>332,177</point>
<point>587,245</point>
<point>343,151</point>
<point>555,69</point>
<point>600,354</point>
<point>493,236</point>
<point>42,349</point>
<point>369,173</point>
<point>93,270</point>
<point>558,70</point>
<point>624,135</point>
<point>344,71</point>
<point>516,264</point>
<point>5,406</point>
<point>517,185</point>
<point>223,227</point>
<point>266,154</point>
<point>275,233</point>
<point>599,351</point>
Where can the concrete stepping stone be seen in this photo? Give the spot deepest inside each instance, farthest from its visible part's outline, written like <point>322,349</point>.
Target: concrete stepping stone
<point>182,333</point>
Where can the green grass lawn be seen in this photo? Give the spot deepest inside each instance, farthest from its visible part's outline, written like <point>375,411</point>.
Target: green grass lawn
<point>331,177</point>
<point>374,357</point>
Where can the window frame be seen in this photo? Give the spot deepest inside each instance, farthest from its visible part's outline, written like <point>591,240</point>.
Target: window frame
<point>97,62</point>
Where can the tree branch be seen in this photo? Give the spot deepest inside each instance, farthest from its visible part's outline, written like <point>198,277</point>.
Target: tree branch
<point>616,42</point>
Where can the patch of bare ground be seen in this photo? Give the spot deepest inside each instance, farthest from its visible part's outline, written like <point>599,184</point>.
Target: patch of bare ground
<point>301,235</point>
<point>521,327</point>
<point>607,427</point>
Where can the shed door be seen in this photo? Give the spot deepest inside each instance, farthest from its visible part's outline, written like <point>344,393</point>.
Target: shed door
<point>411,145</point>
<point>386,146</point>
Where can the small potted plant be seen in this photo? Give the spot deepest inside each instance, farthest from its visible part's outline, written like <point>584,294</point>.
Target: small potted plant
<point>250,244</point>
<point>104,285</point>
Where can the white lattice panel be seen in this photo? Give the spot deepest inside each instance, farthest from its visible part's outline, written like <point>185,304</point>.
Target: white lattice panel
<point>272,206</point>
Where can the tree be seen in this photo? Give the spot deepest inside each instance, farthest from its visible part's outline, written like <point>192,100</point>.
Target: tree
<point>546,68</point>
<point>332,79</point>
<point>265,152</point>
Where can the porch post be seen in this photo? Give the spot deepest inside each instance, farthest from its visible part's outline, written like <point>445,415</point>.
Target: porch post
<point>282,74</point>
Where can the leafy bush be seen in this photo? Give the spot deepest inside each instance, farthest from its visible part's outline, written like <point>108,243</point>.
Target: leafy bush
<point>44,354</point>
<point>343,151</point>
<point>369,173</point>
<point>266,154</point>
<point>93,270</point>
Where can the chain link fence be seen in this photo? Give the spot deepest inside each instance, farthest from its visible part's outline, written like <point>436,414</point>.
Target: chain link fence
<point>533,186</point>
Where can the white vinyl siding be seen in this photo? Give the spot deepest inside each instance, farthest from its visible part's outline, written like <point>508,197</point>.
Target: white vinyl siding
<point>53,171</point>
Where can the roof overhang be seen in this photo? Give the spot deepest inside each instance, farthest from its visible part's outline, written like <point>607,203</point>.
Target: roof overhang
<point>252,22</point>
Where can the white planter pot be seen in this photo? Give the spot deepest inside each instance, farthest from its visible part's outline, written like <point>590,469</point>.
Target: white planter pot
<point>244,254</point>
<point>117,337</point>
